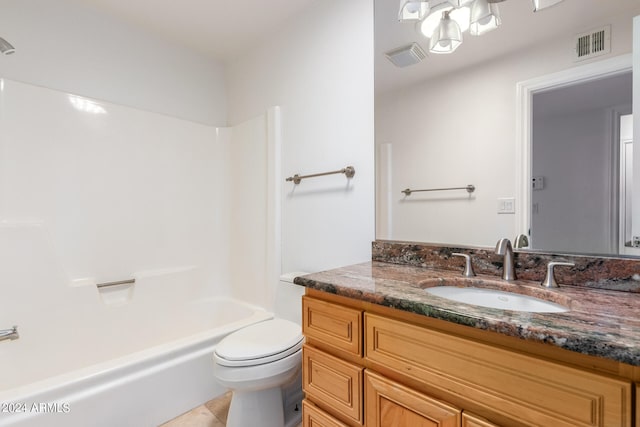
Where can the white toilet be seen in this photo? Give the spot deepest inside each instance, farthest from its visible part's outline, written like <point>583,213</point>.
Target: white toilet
<point>262,365</point>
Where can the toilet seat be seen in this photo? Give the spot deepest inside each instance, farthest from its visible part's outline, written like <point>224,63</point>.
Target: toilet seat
<point>264,342</point>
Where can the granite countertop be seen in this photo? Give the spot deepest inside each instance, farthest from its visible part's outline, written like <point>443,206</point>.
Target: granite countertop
<point>600,323</point>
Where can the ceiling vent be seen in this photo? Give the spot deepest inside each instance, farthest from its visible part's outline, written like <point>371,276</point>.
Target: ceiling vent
<point>406,55</point>
<point>593,43</point>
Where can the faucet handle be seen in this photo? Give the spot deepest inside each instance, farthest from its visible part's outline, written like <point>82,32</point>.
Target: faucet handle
<point>550,280</point>
<point>468,266</point>
<point>521,241</point>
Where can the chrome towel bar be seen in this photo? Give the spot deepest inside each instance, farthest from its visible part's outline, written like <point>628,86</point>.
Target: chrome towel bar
<point>9,334</point>
<point>120,282</point>
<point>470,189</point>
<point>349,171</point>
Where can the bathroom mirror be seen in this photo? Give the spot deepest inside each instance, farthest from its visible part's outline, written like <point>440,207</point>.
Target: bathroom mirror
<point>454,120</point>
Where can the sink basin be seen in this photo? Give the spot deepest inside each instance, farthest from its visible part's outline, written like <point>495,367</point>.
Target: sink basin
<point>496,299</point>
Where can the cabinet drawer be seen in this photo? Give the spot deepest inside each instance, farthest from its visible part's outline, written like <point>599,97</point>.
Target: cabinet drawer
<point>333,325</point>
<point>391,404</point>
<point>525,389</point>
<point>312,416</point>
<point>470,420</point>
<point>332,384</point>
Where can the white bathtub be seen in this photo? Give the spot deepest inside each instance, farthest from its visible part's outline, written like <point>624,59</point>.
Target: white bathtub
<point>130,365</point>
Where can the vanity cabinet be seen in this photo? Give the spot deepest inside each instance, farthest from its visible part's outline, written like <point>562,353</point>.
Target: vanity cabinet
<point>371,366</point>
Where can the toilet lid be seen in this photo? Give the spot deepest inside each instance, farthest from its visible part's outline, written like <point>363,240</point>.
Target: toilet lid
<point>260,343</point>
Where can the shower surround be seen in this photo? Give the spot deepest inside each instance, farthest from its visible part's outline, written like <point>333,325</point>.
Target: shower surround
<point>94,192</point>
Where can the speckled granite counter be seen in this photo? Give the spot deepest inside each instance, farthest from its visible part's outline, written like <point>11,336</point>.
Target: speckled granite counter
<point>600,323</point>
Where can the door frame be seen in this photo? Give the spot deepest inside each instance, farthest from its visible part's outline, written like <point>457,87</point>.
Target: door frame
<point>524,96</point>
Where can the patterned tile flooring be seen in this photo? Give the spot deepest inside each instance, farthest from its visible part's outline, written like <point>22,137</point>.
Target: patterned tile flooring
<point>211,414</point>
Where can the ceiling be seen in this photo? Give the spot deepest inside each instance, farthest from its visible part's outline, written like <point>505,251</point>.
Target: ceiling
<point>520,28</point>
<point>222,29</point>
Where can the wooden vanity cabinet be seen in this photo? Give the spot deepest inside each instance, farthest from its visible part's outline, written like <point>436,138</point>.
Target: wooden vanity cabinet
<point>401,374</point>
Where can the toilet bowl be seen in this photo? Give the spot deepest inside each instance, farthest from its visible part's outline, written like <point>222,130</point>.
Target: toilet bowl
<point>262,365</point>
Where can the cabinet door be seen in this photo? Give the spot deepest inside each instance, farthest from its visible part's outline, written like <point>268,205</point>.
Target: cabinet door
<point>389,404</point>
<point>332,384</point>
<point>471,420</point>
<point>312,416</point>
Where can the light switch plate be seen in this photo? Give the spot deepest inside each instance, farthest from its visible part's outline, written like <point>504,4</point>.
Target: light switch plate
<point>506,205</point>
<point>537,182</point>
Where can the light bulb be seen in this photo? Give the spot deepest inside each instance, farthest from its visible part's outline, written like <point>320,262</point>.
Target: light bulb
<point>412,7</point>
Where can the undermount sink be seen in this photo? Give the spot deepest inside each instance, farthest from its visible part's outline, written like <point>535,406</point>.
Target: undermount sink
<point>496,299</point>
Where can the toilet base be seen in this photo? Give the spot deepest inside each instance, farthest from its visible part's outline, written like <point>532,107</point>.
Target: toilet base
<point>256,408</point>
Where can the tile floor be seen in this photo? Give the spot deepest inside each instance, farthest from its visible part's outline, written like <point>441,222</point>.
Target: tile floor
<point>211,414</point>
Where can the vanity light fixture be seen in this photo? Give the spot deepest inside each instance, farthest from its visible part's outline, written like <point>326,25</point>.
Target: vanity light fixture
<point>459,3</point>
<point>447,36</point>
<point>413,10</point>
<point>461,15</point>
<point>484,17</point>
<point>476,16</point>
<point>543,4</point>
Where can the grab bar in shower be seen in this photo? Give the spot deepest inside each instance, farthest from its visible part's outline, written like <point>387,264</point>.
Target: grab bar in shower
<point>9,334</point>
<point>470,189</point>
<point>119,282</point>
<point>349,172</point>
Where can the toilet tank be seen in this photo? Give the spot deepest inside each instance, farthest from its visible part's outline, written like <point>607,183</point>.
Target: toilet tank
<point>288,303</point>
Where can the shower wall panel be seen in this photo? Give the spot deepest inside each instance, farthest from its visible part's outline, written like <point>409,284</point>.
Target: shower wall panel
<point>118,190</point>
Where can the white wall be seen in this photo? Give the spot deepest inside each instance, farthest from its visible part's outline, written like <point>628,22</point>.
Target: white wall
<point>456,130</point>
<point>70,46</point>
<point>319,69</point>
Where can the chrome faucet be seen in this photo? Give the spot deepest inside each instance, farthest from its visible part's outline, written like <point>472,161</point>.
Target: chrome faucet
<point>9,334</point>
<point>503,247</point>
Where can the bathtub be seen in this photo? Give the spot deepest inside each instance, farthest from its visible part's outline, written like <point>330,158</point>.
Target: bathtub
<point>146,364</point>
